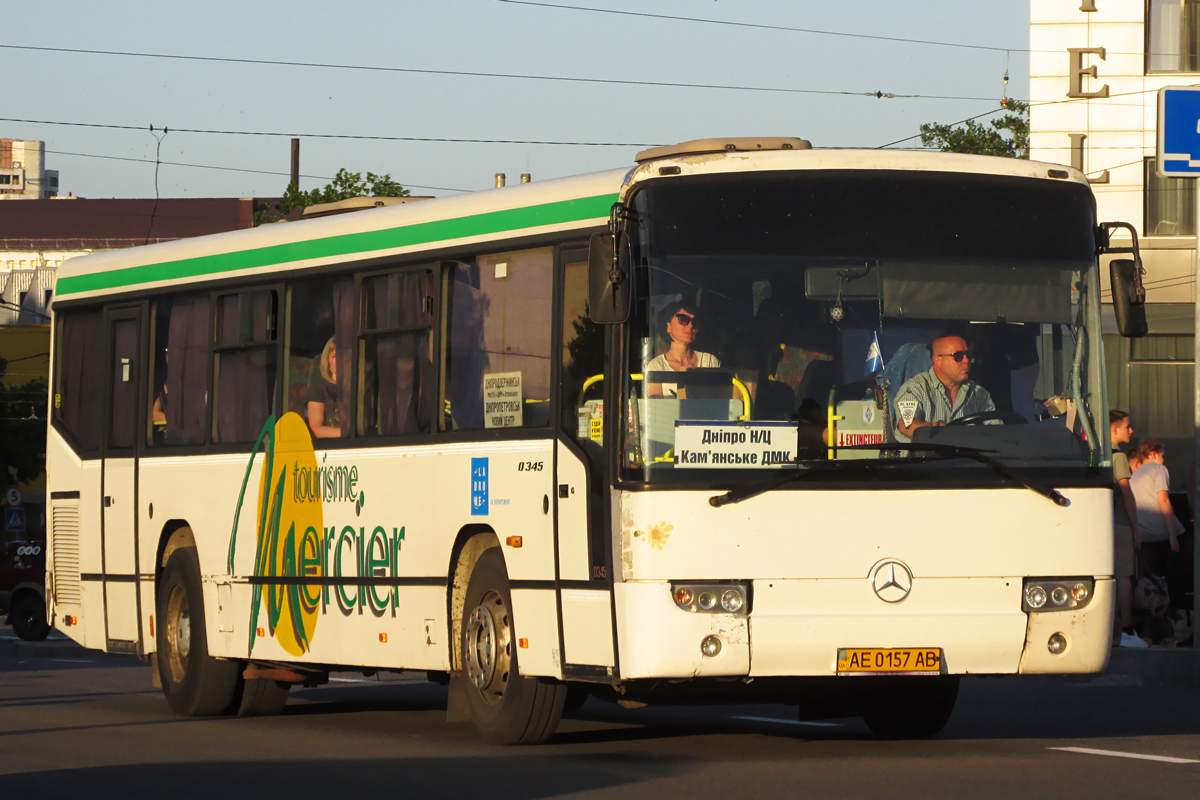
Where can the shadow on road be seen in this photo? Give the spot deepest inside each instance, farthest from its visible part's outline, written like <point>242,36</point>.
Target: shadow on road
<point>515,774</point>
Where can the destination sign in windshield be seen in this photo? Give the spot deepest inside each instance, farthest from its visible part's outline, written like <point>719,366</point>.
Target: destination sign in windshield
<point>743,445</point>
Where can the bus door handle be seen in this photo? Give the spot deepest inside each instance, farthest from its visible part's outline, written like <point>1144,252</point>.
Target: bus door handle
<point>107,501</point>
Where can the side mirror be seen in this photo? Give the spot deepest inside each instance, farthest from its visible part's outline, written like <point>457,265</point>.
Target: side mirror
<point>1129,298</point>
<point>609,281</point>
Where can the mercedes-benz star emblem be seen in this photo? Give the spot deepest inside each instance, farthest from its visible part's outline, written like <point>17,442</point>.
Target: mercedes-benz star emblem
<point>891,580</point>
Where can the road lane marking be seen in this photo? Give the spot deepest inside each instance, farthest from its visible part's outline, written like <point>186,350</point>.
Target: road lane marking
<point>1090,751</point>
<point>793,722</point>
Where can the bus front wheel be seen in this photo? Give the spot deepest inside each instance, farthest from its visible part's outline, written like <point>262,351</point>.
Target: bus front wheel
<point>195,683</point>
<point>506,707</point>
<point>911,708</point>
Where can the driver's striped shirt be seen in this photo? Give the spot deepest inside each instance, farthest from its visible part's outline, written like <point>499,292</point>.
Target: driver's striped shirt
<point>923,397</point>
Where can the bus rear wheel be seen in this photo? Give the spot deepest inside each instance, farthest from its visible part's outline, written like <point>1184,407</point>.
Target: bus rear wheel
<point>195,683</point>
<point>911,708</point>
<point>29,617</point>
<point>506,707</point>
<point>263,697</point>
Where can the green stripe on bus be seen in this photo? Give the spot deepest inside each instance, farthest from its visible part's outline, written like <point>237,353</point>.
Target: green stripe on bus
<point>347,244</point>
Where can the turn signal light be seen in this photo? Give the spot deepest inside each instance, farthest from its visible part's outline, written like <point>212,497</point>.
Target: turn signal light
<point>523,643</point>
<point>513,541</point>
<point>383,638</point>
<point>71,619</point>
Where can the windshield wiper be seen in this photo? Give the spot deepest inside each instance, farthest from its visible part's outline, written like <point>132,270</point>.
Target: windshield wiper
<point>939,450</point>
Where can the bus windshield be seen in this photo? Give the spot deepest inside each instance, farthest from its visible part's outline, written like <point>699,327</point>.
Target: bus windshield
<point>781,318</point>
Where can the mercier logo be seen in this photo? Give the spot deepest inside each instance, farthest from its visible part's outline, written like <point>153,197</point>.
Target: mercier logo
<point>290,536</point>
<point>299,563</point>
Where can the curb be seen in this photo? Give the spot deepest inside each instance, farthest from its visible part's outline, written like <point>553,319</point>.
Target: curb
<point>1167,666</point>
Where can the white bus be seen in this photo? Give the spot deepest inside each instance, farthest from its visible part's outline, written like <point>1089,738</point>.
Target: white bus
<point>440,436</point>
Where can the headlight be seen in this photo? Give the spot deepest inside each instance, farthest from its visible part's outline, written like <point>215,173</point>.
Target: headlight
<point>1056,594</point>
<point>712,598</point>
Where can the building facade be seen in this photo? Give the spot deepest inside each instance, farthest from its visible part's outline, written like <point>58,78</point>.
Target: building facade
<point>1095,70</point>
<point>36,236</point>
<point>23,173</point>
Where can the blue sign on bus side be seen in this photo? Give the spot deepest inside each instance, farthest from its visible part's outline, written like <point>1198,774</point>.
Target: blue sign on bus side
<point>479,487</point>
<point>14,520</point>
<point>1179,131</point>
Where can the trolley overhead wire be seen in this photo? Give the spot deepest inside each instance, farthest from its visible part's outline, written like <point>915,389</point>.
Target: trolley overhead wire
<point>229,169</point>
<point>468,74</point>
<point>332,135</point>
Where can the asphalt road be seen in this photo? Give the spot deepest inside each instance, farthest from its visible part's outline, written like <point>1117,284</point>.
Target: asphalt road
<point>92,726</point>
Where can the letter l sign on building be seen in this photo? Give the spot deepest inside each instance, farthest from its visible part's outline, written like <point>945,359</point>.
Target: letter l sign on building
<point>1178,156</point>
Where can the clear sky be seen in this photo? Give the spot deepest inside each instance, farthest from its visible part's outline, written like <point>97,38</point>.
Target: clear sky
<point>475,36</point>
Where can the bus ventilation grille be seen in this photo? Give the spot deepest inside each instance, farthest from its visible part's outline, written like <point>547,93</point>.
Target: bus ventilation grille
<point>64,522</point>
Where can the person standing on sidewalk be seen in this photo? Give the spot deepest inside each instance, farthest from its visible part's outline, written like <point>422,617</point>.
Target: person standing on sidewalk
<point>1125,535</point>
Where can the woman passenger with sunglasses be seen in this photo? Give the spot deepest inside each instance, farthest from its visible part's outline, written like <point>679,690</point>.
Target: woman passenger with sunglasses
<point>679,331</point>
<point>944,393</point>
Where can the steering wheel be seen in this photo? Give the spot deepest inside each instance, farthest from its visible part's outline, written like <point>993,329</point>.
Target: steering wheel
<point>1007,417</point>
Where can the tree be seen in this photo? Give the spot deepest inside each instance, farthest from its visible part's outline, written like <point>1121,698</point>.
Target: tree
<point>343,186</point>
<point>1007,136</point>
<point>22,429</point>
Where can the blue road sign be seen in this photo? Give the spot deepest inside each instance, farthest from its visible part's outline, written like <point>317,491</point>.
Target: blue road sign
<point>1179,131</point>
<point>14,520</point>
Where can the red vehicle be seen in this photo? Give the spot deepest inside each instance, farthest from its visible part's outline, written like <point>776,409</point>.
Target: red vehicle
<point>23,578</point>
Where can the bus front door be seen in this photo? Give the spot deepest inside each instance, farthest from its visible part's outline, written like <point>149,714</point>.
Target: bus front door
<point>119,492</point>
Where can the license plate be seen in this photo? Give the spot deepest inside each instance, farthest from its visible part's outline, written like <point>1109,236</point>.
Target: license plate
<point>889,660</point>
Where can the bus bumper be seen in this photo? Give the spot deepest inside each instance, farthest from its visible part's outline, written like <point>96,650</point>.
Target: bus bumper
<point>795,628</point>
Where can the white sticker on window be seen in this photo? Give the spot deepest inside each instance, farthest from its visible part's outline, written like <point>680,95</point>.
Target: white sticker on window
<point>907,407</point>
<point>502,400</point>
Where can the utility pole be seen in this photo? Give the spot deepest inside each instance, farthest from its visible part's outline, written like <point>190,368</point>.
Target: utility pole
<point>296,163</point>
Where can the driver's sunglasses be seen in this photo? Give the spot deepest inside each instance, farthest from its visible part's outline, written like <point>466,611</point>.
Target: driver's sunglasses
<point>959,355</point>
<point>684,319</point>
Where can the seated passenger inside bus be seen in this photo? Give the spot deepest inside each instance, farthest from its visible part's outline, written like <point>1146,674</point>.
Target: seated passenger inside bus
<point>323,393</point>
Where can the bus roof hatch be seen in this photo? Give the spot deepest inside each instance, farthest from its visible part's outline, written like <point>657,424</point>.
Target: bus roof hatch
<point>731,145</point>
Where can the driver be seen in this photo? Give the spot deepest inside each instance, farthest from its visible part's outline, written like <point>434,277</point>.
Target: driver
<point>943,394</point>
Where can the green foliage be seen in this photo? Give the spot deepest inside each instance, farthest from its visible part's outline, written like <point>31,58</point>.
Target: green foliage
<point>1006,136</point>
<point>22,429</point>
<point>343,186</point>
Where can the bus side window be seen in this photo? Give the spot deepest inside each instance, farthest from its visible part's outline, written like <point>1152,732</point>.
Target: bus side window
<point>244,364</point>
<point>179,388</point>
<point>395,367</point>
<point>320,355</point>
<point>497,372</point>
<point>80,382</point>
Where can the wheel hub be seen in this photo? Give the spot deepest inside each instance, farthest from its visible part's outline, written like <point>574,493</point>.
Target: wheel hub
<point>489,647</point>
<point>179,634</point>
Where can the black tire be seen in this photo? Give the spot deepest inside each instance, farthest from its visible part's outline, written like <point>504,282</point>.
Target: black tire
<point>195,684</point>
<point>29,617</point>
<point>262,697</point>
<point>506,707</point>
<point>911,708</point>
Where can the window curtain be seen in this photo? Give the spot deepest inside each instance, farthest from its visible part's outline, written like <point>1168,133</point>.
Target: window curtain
<point>343,342</point>
<point>468,359</point>
<point>187,370</point>
<point>81,378</point>
<point>402,365</point>
<point>246,378</point>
